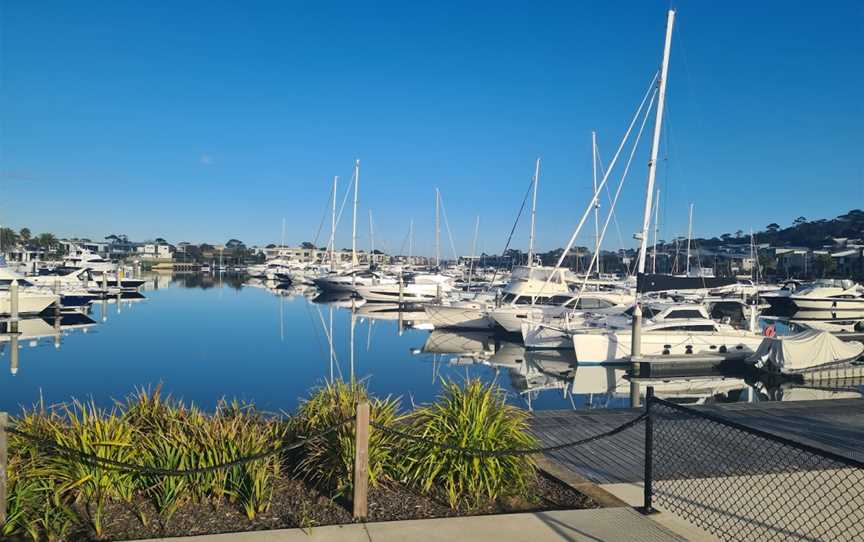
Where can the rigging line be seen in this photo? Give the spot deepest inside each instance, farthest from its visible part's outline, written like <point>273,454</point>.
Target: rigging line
<point>513,229</point>
<point>323,218</point>
<point>315,330</point>
<point>330,341</point>
<point>603,182</point>
<point>348,189</point>
<point>404,242</point>
<point>447,225</point>
<point>609,198</point>
<point>617,194</point>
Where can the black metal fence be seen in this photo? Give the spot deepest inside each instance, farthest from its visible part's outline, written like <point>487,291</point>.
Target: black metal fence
<point>740,483</point>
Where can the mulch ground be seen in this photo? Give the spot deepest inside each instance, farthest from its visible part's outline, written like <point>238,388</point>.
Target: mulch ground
<point>295,504</point>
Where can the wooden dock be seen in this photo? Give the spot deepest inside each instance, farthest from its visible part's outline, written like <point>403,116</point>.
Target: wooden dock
<point>835,425</point>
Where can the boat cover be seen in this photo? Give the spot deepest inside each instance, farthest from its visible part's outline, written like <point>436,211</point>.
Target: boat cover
<point>803,351</point>
<point>646,282</point>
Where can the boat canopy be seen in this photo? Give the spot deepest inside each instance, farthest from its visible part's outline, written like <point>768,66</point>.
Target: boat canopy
<point>659,283</point>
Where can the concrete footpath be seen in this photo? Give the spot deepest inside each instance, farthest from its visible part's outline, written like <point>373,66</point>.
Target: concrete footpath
<point>595,525</point>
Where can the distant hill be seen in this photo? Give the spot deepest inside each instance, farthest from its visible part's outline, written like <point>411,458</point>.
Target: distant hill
<point>802,233</point>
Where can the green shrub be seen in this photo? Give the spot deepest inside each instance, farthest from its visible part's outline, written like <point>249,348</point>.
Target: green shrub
<point>474,415</point>
<point>329,461</point>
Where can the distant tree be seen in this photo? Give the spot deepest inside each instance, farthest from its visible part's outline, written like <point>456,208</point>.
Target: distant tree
<point>799,221</point>
<point>234,243</point>
<point>112,238</point>
<point>25,234</point>
<point>725,237</point>
<point>271,245</point>
<point>160,241</point>
<point>773,227</point>
<point>307,245</point>
<point>739,234</point>
<point>204,247</point>
<point>8,237</point>
<point>48,243</point>
<point>825,265</point>
<point>855,215</point>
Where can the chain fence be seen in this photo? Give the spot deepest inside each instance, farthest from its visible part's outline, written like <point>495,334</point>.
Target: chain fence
<point>740,483</point>
<point>95,460</point>
<point>92,459</point>
<point>479,452</point>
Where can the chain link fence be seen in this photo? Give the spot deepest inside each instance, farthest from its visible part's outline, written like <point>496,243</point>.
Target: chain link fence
<point>740,483</point>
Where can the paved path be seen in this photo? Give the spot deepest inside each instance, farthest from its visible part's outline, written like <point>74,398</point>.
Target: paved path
<point>597,525</point>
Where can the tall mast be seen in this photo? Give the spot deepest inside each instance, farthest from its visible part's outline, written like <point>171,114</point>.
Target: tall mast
<point>655,144</point>
<point>689,236</point>
<point>533,214</point>
<point>283,235</point>
<point>656,227</point>
<point>473,252</point>
<point>354,224</point>
<point>333,226</point>
<point>754,258</point>
<point>437,229</point>
<point>410,240</point>
<point>371,237</point>
<point>596,199</point>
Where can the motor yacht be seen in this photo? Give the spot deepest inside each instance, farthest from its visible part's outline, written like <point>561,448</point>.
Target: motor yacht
<point>830,295</point>
<point>528,286</point>
<point>411,288</point>
<point>678,330</point>
<point>349,281</point>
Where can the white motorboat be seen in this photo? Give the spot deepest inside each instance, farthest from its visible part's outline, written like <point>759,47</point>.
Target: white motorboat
<point>30,301</point>
<point>349,281</point>
<point>87,260</point>
<point>678,330</point>
<point>418,288</point>
<point>830,295</point>
<point>529,286</point>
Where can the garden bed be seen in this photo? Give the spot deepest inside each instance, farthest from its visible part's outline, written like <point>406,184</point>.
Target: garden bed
<point>297,505</point>
<point>154,467</point>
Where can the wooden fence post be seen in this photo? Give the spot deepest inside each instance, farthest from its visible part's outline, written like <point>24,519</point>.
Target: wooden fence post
<point>361,461</point>
<point>4,419</point>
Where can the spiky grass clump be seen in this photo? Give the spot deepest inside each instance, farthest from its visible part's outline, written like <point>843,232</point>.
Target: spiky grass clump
<point>329,461</point>
<point>473,415</point>
<point>49,493</point>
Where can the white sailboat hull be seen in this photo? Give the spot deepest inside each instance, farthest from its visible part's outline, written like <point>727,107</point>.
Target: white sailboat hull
<point>390,293</point>
<point>511,318</point>
<point>471,317</point>
<point>615,346</point>
<point>537,337</point>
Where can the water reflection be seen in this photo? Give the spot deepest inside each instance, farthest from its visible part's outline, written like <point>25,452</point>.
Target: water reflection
<point>535,372</point>
<point>29,333</point>
<point>209,336</point>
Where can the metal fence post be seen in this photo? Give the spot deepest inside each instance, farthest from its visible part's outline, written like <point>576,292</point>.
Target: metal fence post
<point>649,451</point>
<point>4,419</point>
<point>361,461</point>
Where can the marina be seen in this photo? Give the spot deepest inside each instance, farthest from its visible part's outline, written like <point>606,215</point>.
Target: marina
<point>301,338</point>
<point>521,289</point>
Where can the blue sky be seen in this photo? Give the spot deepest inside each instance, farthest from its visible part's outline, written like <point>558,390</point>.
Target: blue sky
<point>202,121</point>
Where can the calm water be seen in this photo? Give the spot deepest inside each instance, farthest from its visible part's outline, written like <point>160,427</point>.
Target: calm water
<point>203,338</point>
